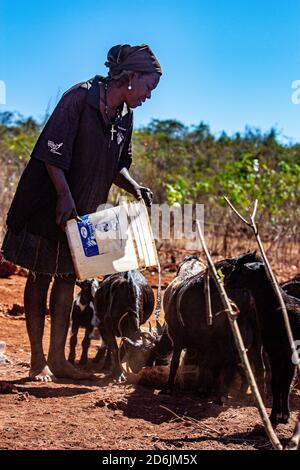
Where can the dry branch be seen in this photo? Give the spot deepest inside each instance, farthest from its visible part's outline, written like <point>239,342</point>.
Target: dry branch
<point>252,224</point>
<point>232,317</point>
<point>272,277</point>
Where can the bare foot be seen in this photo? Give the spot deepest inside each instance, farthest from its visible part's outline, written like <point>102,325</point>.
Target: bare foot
<point>63,369</point>
<point>41,375</point>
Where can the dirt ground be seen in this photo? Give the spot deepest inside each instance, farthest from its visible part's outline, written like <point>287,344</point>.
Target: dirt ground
<point>103,415</point>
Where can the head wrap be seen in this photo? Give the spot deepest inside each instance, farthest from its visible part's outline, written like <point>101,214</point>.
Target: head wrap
<point>124,58</point>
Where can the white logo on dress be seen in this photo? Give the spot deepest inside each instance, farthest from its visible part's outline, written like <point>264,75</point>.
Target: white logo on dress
<point>120,137</point>
<point>54,147</point>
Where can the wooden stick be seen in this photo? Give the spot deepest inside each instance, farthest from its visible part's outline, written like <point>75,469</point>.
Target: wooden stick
<point>209,317</point>
<point>232,317</point>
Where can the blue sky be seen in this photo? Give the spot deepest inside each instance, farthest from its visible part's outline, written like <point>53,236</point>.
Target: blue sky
<point>230,63</point>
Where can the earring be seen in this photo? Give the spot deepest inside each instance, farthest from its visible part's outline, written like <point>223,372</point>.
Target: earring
<point>129,86</point>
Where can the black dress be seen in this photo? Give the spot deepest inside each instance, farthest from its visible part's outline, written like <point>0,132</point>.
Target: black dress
<point>76,140</point>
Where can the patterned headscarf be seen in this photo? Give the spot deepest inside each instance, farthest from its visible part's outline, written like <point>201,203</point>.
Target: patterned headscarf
<point>124,58</point>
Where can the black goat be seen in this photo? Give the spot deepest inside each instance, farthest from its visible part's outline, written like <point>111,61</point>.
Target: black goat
<point>123,302</point>
<point>292,287</point>
<point>254,277</point>
<point>155,349</point>
<point>185,314</point>
<point>83,316</point>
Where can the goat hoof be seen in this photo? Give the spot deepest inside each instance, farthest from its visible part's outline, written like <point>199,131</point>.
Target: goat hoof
<point>120,378</point>
<point>218,401</point>
<point>284,419</point>
<point>166,391</point>
<point>118,375</point>
<point>274,418</point>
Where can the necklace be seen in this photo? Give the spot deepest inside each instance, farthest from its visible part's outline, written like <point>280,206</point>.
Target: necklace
<point>113,131</point>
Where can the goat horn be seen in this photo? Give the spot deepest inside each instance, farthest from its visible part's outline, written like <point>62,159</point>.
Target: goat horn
<point>159,328</point>
<point>147,334</point>
<point>129,341</point>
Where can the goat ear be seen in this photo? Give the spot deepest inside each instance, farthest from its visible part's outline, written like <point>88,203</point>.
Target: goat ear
<point>253,266</point>
<point>244,258</point>
<point>252,254</point>
<point>148,338</point>
<point>159,328</point>
<point>128,341</point>
<point>94,287</point>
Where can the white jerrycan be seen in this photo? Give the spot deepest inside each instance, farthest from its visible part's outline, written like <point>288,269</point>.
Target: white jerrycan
<point>112,240</point>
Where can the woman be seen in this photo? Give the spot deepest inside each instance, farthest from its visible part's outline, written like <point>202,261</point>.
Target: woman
<point>83,149</point>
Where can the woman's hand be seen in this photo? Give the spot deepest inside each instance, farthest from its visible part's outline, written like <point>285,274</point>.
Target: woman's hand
<point>141,192</point>
<point>65,209</point>
<point>65,206</point>
<point>126,182</point>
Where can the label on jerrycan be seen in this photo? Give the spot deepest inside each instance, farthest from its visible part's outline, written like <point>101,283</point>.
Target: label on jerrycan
<point>88,236</point>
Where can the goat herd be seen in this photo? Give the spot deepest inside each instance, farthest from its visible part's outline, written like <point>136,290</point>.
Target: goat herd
<point>120,304</point>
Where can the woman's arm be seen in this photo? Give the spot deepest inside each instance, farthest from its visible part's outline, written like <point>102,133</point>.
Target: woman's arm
<point>125,181</point>
<point>65,208</point>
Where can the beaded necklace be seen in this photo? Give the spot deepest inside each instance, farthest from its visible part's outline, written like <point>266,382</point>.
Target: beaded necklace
<point>113,131</point>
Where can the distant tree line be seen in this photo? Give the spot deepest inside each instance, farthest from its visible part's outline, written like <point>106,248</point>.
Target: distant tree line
<point>186,164</point>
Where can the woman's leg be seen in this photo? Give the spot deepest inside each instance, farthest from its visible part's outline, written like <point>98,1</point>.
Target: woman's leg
<point>61,301</point>
<point>35,303</point>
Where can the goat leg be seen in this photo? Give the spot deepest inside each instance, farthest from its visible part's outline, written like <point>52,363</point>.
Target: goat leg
<point>173,370</point>
<point>116,371</point>
<point>73,342</point>
<point>85,345</point>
